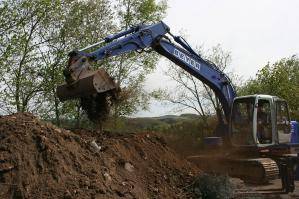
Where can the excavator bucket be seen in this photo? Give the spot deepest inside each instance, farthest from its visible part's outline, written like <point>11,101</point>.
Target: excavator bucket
<point>96,89</point>
<point>95,82</point>
<point>82,81</point>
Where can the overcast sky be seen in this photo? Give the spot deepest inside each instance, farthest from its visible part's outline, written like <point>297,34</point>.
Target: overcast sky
<point>254,31</point>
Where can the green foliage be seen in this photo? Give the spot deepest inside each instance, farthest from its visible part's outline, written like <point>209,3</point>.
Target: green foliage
<point>131,12</point>
<point>36,36</point>
<point>76,24</point>
<point>131,69</point>
<point>280,79</point>
<point>211,187</point>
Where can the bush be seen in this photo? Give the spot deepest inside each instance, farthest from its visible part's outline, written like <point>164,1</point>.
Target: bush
<point>211,187</point>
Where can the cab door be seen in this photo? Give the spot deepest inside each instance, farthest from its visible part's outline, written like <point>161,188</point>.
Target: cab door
<point>283,124</point>
<point>263,121</point>
<point>242,121</point>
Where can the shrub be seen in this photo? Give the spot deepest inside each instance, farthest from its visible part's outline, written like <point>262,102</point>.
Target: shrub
<point>211,187</point>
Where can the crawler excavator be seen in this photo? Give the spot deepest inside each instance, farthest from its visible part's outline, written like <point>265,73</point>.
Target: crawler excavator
<point>254,144</point>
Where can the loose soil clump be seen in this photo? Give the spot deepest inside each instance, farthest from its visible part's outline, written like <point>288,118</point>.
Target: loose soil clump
<point>40,160</point>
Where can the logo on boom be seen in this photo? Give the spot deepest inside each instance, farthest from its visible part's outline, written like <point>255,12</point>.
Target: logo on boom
<point>182,56</point>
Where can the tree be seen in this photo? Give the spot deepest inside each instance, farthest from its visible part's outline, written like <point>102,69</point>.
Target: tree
<point>280,79</point>
<point>191,93</point>
<point>40,35</point>
<point>79,24</point>
<point>21,80</point>
<point>130,69</point>
<point>36,37</point>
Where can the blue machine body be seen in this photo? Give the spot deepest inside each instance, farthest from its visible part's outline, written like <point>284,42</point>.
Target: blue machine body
<point>294,132</point>
<point>158,37</point>
<point>295,140</point>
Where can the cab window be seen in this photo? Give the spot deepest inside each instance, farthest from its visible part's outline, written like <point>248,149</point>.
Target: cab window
<point>242,122</point>
<point>283,122</point>
<point>263,122</point>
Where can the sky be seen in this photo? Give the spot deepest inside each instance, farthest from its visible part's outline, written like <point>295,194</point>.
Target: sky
<point>255,32</point>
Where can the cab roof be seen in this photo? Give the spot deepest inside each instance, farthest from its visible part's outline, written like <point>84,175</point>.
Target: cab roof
<point>260,96</point>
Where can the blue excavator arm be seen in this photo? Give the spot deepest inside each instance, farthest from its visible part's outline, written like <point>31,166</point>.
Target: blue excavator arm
<point>156,37</point>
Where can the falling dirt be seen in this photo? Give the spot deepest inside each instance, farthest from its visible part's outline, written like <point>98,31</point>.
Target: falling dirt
<point>97,107</point>
<point>40,160</point>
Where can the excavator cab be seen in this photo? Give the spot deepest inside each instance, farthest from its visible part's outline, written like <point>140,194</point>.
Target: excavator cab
<point>260,120</point>
<point>260,147</point>
<point>260,130</point>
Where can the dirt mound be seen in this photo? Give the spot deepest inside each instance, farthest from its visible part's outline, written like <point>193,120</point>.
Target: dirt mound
<point>39,160</point>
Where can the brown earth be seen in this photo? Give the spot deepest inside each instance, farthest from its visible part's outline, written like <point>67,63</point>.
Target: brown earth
<point>40,160</point>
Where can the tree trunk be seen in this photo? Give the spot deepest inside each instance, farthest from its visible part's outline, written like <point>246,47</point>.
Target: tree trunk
<point>99,127</point>
<point>17,97</point>
<point>57,112</point>
<point>77,125</point>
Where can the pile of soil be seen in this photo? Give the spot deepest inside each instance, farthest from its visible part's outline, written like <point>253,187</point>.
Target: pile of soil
<point>40,160</point>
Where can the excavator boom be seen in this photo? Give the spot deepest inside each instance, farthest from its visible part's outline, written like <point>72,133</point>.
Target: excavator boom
<point>140,38</point>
